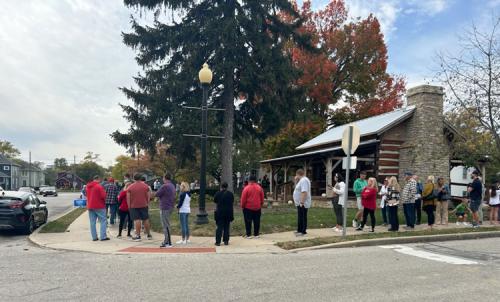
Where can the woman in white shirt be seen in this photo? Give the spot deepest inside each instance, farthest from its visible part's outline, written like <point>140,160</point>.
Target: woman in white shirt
<point>383,194</point>
<point>494,204</point>
<point>338,200</point>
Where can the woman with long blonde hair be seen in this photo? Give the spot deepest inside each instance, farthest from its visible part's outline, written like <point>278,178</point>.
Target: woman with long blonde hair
<point>429,198</point>
<point>184,211</point>
<point>393,190</point>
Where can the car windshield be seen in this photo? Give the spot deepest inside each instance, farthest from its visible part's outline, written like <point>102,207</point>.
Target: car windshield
<point>49,188</point>
<point>25,189</point>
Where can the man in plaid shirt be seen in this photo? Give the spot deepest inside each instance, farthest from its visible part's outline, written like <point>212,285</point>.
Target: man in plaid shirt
<point>408,199</point>
<point>111,199</point>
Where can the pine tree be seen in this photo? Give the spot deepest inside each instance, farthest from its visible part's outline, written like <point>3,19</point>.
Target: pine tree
<point>242,41</point>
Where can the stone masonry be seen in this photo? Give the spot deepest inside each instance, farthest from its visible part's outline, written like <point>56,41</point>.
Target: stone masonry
<point>426,150</point>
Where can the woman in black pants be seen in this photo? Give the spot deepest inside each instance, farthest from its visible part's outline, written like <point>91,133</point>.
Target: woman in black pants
<point>224,214</point>
<point>338,201</point>
<point>393,190</point>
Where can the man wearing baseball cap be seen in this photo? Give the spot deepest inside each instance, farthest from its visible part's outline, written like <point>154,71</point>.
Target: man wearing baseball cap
<point>475,190</point>
<point>408,199</point>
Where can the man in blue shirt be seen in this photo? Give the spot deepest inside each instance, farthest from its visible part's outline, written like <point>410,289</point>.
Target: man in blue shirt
<point>475,190</point>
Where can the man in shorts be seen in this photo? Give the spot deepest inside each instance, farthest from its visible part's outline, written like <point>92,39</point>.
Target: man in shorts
<point>475,190</point>
<point>359,185</point>
<point>138,196</point>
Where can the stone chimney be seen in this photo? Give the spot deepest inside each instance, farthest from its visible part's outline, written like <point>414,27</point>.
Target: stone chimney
<point>426,150</point>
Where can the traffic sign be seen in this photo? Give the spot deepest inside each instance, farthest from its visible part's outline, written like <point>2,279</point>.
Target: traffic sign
<point>355,139</point>
<point>352,165</point>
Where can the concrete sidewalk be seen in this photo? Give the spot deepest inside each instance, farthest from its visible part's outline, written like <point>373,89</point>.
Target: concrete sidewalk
<point>77,238</point>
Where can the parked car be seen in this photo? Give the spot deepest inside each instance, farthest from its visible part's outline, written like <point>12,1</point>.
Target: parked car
<point>21,210</point>
<point>27,189</point>
<point>46,191</point>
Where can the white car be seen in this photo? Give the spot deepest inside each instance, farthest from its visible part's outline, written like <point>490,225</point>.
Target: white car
<point>27,189</point>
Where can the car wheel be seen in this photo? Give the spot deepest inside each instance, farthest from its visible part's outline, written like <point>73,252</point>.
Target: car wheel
<point>30,226</point>
<point>55,195</point>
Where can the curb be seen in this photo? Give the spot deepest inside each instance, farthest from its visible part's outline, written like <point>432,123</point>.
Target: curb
<point>401,240</point>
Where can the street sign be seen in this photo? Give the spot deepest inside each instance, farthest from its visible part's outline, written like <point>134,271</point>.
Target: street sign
<point>352,166</point>
<point>355,138</point>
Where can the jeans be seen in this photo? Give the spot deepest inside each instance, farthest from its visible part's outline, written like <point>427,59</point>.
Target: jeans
<point>338,210</point>
<point>393,218</point>
<point>165,223</point>
<point>429,210</point>
<point>302,220</point>
<point>442,212</point>
<point>409,211</point>
<point>252,216</point>
<point>184,220</point>
<point>367,212</point>
<point>112,216</point>
<point>418,210</point>
<point>384,213</point>
<point>100,214</point>
<point>124,216</point>
<point>222,231</point>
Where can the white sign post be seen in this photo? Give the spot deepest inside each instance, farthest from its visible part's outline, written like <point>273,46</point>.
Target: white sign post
<point>350,142</point>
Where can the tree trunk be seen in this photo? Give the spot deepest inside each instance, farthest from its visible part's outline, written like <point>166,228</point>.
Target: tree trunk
<point>227,142</point>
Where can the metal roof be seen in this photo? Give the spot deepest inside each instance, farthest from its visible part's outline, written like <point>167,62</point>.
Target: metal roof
<point>368,126</point>
<point>331,149</point>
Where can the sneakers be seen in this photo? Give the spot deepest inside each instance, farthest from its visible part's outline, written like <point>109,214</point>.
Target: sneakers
<point>150,237</point>
<point>247,237</point>
<point>119,236</point>
<point>217,244</point>
<point>354,223</point>
<point>188,241</point>
<point>359,228</point>
<point>136,238</point>
<point>181,242</point>
<point>105,239</point>
<point>256,237</point>
<point>165,245</point>
<point>372,231</point>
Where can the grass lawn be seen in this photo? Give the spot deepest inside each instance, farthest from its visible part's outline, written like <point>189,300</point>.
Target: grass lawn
<point>61,224</point>
<point>336,239</point>
<point>276,219</point>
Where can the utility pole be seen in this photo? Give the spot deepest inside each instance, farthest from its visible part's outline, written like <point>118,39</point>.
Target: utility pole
<point>74,172</point>
<point>29,172</point>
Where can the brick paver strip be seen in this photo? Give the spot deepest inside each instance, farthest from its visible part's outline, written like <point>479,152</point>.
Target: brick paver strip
<point>173,250</point>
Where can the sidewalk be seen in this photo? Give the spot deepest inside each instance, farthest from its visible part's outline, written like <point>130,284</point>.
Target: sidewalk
<point>77,238</point>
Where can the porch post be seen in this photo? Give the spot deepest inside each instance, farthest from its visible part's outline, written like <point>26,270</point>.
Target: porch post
<point>329,172</point>
<point>285,179</point>
<point>271,180</point>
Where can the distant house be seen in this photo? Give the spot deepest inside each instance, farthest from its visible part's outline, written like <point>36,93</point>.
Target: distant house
<point>9,174</point>
<point>65,180</point>
<point>31,176</point>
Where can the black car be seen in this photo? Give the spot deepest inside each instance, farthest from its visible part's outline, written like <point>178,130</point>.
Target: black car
<point>21,211</point>
<point>46,191</point>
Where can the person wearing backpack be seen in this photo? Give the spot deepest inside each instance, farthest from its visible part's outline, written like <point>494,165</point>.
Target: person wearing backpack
<point>224,214</point>
<point>429,198</point>
<point>443,197</point>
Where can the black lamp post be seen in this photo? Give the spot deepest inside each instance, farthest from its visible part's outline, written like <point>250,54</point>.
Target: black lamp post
<point>205,76</point>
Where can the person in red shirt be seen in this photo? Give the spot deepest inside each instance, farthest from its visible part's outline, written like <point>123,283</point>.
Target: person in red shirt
<point>369,202</point>
<point>138,196</point>
<point>123,212</point>
<point>96,205</point>
<point>251,201</point>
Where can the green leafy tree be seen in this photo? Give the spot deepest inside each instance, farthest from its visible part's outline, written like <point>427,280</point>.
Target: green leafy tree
<point>242,41</point>
<point>7,149</point>
<point>88,169</point>
<point>61,164</point>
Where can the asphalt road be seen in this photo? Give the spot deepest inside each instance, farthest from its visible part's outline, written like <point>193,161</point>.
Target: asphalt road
<point>419,272</point>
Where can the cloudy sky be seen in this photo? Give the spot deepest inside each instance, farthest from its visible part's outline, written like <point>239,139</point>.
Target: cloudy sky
<point>62,61</point>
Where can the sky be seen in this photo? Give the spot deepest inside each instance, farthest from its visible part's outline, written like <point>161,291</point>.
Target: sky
<point>62,63</point>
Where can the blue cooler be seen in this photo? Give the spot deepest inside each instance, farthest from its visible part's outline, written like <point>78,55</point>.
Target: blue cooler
<point>80,203</point>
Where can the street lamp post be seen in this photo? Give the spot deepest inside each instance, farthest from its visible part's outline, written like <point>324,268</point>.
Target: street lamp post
<point>205,76</point>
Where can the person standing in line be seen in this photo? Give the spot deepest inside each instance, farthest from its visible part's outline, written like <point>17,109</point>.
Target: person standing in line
<point>369,201</point>
<point>302,199</point>
<point>224,214</point>
<point>442,201</point>
<point>418,201</point>
<point>429,201</point>
<point>494,202</point>
<point>156,185</point>
<point>338,201</point>
<point>127,179</point>
<point>475,190</point>
<point>166,195</point>
<point>111,200</point>
<point>138,197</point>
<point>252,199</point>
<point>96,205</point>
<point>484,199</point>
<point>408,200</point>
<point>393,191</point>
<point>359,185</point>
<point>124,213</point>
<point>383,199</point>
<point>184,207</point>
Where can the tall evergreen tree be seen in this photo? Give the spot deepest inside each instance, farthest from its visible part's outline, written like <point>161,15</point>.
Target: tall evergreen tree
<point>243,43</point>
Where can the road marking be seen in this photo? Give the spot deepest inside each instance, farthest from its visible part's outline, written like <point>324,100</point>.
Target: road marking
<point>428,255</point>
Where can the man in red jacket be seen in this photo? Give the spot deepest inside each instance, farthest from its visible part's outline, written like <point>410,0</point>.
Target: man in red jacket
<point>252,200</point>
<point>96,205</point>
